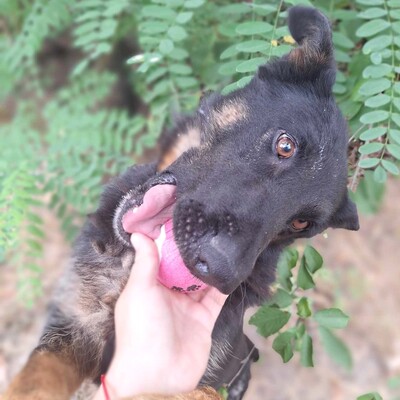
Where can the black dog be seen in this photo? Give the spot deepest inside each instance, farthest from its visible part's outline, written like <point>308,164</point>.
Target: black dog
<point>243,178</point>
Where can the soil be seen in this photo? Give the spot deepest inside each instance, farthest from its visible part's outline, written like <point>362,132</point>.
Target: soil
<point>361,276</point>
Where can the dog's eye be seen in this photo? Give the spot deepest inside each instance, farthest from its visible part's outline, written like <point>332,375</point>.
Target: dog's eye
<point>285,146</point>
<point>300,224</point>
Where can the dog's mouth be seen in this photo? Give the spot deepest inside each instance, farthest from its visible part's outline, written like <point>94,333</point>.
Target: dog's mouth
<point>194,257</point>
<point>149,210</point>
<point>154,212</point>
<point>145,209</point>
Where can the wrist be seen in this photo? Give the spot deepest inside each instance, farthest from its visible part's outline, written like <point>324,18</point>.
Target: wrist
<point>123,383</point>
<point>126,379</point>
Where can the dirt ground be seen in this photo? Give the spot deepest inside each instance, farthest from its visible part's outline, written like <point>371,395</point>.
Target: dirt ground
<point>361,276</point>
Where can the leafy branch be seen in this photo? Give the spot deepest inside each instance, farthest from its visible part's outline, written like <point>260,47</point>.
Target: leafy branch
<point>18,196</point>
<point>291,316</point>
<point>381,89</point>
<point>253,42</point>
<point>162,33</point>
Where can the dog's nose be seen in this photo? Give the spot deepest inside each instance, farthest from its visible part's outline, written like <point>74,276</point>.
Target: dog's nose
<point>202,268</point>
<point>216,253</point>
<point>219,263</point>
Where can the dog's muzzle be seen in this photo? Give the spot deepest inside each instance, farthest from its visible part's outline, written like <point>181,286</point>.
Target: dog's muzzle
<point>145,208</point>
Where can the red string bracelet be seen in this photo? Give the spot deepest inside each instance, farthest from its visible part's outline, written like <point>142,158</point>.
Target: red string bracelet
<point>103,384</point>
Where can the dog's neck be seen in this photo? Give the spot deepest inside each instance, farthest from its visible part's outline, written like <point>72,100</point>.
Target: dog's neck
<point>256,289</point>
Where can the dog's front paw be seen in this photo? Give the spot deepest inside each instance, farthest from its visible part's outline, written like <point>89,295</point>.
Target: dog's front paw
<point>238,388</point>
<point>239,385</point>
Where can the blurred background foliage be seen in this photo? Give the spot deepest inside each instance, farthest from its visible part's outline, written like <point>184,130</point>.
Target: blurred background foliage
<point>87,86</point>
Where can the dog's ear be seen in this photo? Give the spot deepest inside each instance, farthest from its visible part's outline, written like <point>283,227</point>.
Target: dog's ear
<point>313,60</point>
<point>311,30</point>
<point>346,216</point>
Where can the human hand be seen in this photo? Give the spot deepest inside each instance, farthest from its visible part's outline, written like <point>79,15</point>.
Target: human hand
<point>163,338</point>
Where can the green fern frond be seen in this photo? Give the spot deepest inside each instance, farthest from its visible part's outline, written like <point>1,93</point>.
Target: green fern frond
<point>380,91</point>
<point>84,93</point>
<point>255,36</point>
<point>45,17</point>
<point>23,141</point>
<point>13,13</point>
<point>84,142</point>
<point>163,32</point>
<point>96,25</point>
<point>16,192</point>
<point>21,231</point>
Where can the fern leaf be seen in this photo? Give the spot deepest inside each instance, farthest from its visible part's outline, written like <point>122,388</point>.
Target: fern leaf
<point>44,17</point>
<point>380,90</point>
<point>97,24</point>
<point>256,38</point>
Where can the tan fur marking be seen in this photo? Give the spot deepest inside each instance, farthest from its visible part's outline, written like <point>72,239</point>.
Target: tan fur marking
<point>205,393</point>
<point>45,377</point>
<point>183,142</point>
<point>230,113</point>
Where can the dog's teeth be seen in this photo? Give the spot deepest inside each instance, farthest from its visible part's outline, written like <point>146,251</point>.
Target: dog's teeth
<point>160,240</point>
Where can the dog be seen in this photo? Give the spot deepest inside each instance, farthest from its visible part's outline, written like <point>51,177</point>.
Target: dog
<point>242,178</point>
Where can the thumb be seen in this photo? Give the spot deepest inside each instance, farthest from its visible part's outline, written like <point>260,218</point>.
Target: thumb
<point>145,267</point>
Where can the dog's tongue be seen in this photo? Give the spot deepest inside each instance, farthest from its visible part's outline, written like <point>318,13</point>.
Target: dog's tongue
<point>157,207</point>
<point>152,217</point>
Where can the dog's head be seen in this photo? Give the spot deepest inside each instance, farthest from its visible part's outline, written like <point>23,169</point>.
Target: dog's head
<point>271,165</point>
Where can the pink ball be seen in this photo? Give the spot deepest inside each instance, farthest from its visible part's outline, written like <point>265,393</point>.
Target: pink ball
<point>173,273</point>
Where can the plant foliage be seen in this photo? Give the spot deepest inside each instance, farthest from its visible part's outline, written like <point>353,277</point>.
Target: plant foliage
<point>379,88</point>
<point>291,316</point>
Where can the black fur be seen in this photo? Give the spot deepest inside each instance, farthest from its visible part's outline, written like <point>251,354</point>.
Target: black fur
<point>244,198</point>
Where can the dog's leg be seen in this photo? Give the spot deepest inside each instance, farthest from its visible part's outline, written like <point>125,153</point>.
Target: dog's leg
<point>239,384</point>
<point>232,353</point>
<point>69,350</point>
<point>230,366</point>
<point>46,376</point>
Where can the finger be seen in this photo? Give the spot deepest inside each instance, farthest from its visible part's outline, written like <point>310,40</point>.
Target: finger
<point>197,296</point>
<point>145,267</point>
<point>214,301</point>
